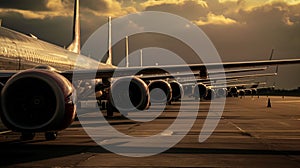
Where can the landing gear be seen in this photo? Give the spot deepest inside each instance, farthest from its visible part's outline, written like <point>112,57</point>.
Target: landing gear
<point>50,136</point>
<point>103,105</point>
<point>110,109</point>
<point>27,136</point>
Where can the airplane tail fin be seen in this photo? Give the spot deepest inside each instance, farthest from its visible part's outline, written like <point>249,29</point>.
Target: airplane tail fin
<point>109,58</point>
<point>75,45</point>
<point>271,55</point>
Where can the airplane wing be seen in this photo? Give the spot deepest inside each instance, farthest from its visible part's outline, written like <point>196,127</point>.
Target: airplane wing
<point>204,81</point>
<point>160,70</point>
<point>197,74</point>
<point>241,76</point>
<point>235,85</point>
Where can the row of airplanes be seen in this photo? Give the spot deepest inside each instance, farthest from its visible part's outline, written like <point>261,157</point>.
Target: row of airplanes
<point>40,95</point>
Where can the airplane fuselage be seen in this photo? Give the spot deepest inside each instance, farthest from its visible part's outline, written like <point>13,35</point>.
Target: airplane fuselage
<point>19,51</point>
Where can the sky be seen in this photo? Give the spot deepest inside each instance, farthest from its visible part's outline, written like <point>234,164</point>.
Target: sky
<point>241,30</point>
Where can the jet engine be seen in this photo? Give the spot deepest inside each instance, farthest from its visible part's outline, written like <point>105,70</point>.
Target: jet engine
<point>211,94</point>
<point>37,100</point>
<point>177,90</point>
<point>253,91</point>
<point>221,92</point>
<point>241,92</point>
<point>200,91</point>
<point>248,92</point>
<point>160,91</point>
<point>233,91</point>
<point>129,94</point>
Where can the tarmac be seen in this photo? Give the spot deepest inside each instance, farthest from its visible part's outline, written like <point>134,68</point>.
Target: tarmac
<point>249,134</point>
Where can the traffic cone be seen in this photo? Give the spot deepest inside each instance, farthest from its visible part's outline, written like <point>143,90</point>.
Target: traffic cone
<point>269,103</point>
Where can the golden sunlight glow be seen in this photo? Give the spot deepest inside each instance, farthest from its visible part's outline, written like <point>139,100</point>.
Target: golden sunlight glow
<point>258,3</point>
<point>175,2</point>
<point>289,2</point>
<point>38,15</point>
<point>216,20</point>
<point>55,5</point>
<point>220,13</point>
<point>115,9</point>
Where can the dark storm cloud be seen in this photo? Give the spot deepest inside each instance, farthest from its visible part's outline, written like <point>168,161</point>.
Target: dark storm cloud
<point>255,33</point>
<point>34,5</point>
<point>56,30</point>
<point>260,29</point>
<point>274,25</point>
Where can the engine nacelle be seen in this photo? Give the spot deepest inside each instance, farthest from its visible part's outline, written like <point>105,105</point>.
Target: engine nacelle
<point>221,92</point>
<point>253,91</point>
<point>200,90</point>
<point>37,100</point>
<point>177,90</point>
<point>233,91</point>
<point>248,92</point>
<point>211,94</point>
<point>160,91</point>
<point>241,92</point>
<point>129,94</point>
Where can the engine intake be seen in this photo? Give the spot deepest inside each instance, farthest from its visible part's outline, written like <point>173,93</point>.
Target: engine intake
<point>129,94</point>
<point>233,91</point>
<point>221,92</point>
<point>200,90</point>
<point>177,90</point>
<point>37,100</point>
<point>160,91</point>
<point>211,94</point>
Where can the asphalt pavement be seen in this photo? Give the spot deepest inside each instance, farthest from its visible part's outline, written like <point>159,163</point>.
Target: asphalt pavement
<point>248,134</point>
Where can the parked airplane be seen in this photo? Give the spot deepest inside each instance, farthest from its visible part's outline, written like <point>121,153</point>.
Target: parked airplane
<point>40,97</point>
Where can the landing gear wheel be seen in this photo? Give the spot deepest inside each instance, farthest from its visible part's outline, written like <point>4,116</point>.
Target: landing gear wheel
<point>50,136</point>
<point>27,136</point>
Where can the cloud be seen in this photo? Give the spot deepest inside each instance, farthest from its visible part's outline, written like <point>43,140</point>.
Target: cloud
<point>173,2</point>
<point>41,9</point>
<point>276,13</point>
<point>26,14</point>
<point>191,9</point>
<point>32,9</point>
<point>33,5</point>
<point>112,8</point>
<point>240,29</point>
<point>58,5</point>
<point>215,20</point>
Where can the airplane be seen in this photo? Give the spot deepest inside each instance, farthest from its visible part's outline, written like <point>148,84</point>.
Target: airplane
<point>39,96</point>
<point>206,88</point>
